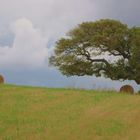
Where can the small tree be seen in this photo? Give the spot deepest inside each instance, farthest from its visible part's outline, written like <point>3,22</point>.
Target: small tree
<point>87,50</point>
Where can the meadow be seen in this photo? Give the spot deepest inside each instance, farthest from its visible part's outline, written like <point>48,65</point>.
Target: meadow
<point>34,113</point>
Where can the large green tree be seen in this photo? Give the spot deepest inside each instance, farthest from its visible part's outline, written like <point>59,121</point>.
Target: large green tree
<point>103,48</point>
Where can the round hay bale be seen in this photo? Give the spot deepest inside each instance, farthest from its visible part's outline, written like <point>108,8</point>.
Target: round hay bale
<point>127,89</point>
<point>1,79</point>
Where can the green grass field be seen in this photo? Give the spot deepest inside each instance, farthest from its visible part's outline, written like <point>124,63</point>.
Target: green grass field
<point>28,113</point>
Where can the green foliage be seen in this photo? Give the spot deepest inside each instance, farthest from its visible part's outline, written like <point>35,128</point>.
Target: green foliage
<point>87,48</point>
<point>135,50</point>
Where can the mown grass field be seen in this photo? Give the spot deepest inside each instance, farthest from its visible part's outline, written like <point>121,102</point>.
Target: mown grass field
<point>28,113</point>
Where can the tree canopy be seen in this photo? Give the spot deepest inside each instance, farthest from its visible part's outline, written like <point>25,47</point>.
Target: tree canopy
<point>103,48</point>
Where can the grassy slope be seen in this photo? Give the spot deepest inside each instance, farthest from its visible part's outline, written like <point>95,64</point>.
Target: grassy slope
<point>28,113</point>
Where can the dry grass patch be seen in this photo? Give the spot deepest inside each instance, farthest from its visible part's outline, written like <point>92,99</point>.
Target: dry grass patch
<point>65,114</point>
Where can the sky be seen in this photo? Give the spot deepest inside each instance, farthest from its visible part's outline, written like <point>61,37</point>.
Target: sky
<point>30,28</point>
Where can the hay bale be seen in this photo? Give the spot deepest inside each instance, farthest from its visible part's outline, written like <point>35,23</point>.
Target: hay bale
<point>127,89</point>
<point>1,79</point>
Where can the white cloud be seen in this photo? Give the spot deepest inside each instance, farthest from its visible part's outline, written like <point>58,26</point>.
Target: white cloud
<point>44,20</point>
<point>29,47</point>
<point>54,17</point>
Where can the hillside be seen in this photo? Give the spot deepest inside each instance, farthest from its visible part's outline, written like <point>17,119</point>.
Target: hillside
<point>28,113</point>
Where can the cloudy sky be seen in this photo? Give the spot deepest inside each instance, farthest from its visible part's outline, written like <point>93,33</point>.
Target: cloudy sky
<point>29,29</point>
